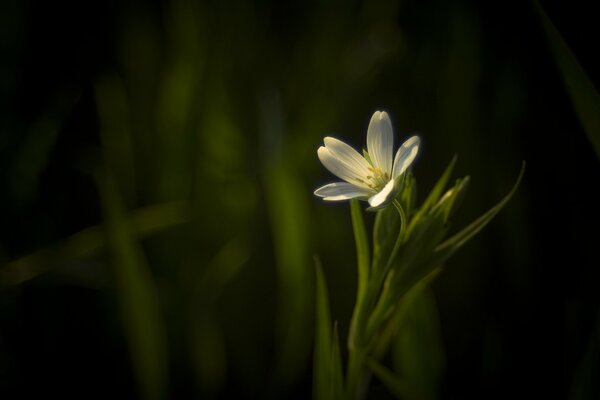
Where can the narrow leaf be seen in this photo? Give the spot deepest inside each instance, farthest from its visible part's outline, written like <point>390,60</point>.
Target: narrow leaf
<point>287,206</point>
<point>88,242</point>
<point>322,365</point>
<point>116,134</point>
<point>137,296</point>
<point>383,341</point>
<point>452,198</point>
<point>408,193</point>
<point>417,350</point>
<point>581,90</point>
<point>396,386</point>
<point>456,241</point>
<point>337,377</point>
<point>434,195</point>
<point>439,187</point>
<point>385,231</point>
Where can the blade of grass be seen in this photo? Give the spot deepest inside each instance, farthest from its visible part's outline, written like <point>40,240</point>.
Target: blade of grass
<point>417,351</point>
<point>581,90</point>
<point>455,242</point>
<point>288,209</point>
<point>434,195</point>
<point>452,198</point>
<point>337,375</point>
<point>206,340</point>
<point>140,309</point>
<point>288,214</point>
<point>86,243</point>
<point>117,140</point>
<point>396,386</point>
<point>383,341</point>
<point>438,189</point>
<point>322,365</point>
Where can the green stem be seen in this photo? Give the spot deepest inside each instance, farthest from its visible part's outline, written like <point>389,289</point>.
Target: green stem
<point>399,242</point>
<point>357,375</point>
<point>403,225</point>
<point>380,309</point>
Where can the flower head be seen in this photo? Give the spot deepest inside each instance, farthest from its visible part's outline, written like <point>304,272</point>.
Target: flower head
<point>373,177</point>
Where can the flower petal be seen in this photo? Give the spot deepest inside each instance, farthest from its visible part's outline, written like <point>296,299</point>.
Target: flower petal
<point>346,154</point>
<point>405,156</point>
<point>341,191</point>
<point>380,141</point>
<point>385,196</point>
<point>340,168</point>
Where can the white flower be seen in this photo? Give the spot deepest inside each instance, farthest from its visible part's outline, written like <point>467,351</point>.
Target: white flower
<point>374,178</point>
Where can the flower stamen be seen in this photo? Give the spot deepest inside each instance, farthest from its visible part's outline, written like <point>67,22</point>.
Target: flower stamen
<point>378,179</point>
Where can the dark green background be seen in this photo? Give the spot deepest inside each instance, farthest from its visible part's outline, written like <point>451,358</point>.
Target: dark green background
<point>223,105</point>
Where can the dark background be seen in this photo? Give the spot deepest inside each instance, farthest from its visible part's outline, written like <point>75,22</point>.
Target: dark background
<point>223,105</point>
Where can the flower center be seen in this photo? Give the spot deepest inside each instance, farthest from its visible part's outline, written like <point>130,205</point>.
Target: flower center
<point>378,179</point>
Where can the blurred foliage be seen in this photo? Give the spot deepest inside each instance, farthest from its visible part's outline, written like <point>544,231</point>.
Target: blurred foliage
<point>583,94</point>
<point>189,274</point>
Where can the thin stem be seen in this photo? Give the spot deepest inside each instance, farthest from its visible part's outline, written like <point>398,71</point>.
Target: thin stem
<point>358,342</point>
<point>403,220</point>
<point>400,240</point>
<point>380,308</point>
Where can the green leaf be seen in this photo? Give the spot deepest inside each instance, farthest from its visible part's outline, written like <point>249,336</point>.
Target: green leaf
<point>385,232</point>
<point>323,372</point>
<point>434,195</point>
<point>425,236</point>
<point>417,351</point>
<point>223,268</point>
<point>396,386</point>
<point>137,292</point>
<point>449,246</point>
<point>408,193</point>
<point>401,286</point>
<point>452,198</point>
<point>363,260</point>
<point>287,204</point>
<point>384,339</point>
<point>362,248</point>
<point>437,190</point>
<point>116,134</point>
<point>418,258</point>
<point>208,351</point>
<point>88,242</point>
<point>337,376</point>
<point>581,90</point>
